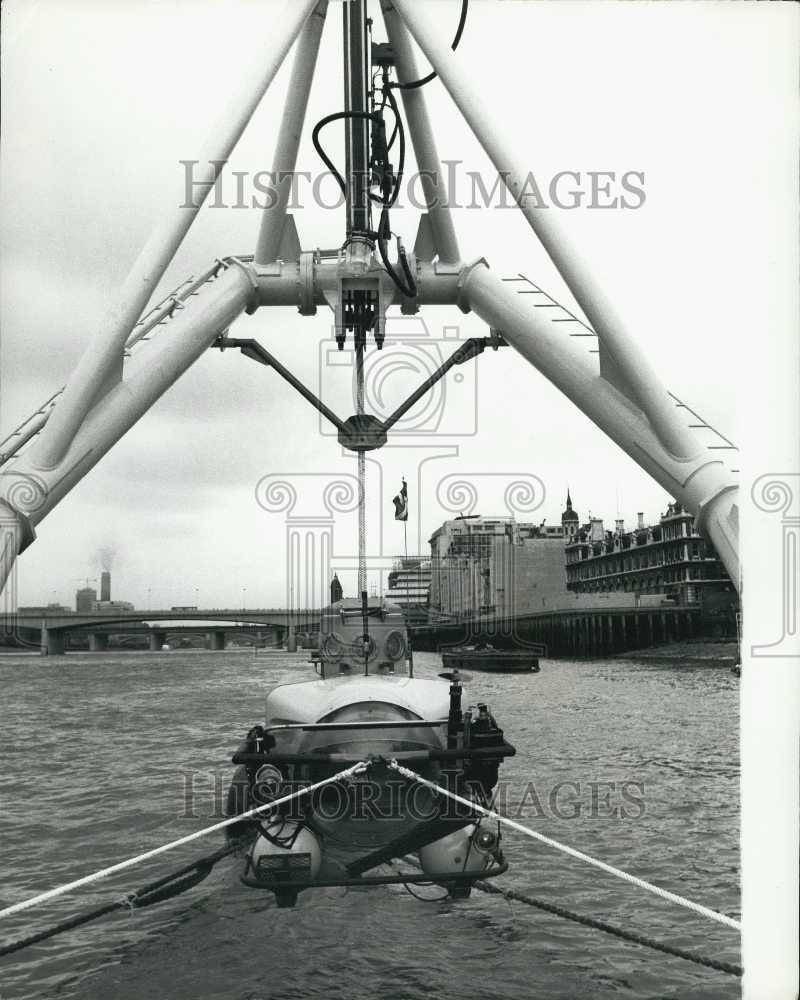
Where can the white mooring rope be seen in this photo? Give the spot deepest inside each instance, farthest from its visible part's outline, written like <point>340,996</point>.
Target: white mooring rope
<point>130,862</point>
<point>664,893</point>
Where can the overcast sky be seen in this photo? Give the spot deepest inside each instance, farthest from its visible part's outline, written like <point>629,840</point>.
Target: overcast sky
<point>101,102</point>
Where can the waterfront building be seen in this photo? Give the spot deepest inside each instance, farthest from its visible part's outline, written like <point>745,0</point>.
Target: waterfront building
<point>669,558</point>
<point>497,567</point>
<point>409,585</point>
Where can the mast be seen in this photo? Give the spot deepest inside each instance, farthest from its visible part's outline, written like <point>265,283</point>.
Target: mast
<point>356,99</point>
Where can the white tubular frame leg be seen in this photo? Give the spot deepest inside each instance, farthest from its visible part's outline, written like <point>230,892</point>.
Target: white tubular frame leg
<point>34,492</point>
<point>704,484</point>
<point>432,179</point>
<point>464,88</point>
<point>101,363</point>
<point>285,160</point>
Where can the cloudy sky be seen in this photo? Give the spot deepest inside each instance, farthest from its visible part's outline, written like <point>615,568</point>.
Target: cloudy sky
<point>102,101</point>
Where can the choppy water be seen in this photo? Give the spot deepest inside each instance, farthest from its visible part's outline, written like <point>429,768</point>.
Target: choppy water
<point>95,756</point>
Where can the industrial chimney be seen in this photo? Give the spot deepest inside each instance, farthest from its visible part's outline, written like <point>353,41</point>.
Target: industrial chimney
<point>620,524</point>
<point>640,522</point>
<point>105,585</point>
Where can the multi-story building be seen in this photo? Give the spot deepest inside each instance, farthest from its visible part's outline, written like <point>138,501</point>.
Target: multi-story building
<point>669,558</point>
<point>410,584</point>
<point>498,567</point>
<point>85,599</point>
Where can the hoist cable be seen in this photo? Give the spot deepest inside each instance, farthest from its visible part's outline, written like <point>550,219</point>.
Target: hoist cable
<point>414,84</point>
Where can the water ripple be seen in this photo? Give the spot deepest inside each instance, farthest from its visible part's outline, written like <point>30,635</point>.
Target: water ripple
<point>98,756</point>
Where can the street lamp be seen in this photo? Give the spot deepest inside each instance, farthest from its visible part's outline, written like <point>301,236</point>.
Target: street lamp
<point>197,597</point>
<point>244,591</point>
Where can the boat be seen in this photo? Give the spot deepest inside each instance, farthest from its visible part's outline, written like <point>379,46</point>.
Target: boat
<point>483,656</point>
<point>365,704</point>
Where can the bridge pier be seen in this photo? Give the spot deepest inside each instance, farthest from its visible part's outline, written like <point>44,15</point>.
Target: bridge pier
<point>291,640</point>
<point>52,642</point>
<point>215,640</point>
<point>279,631</point>
<point>98,642</point>
<point>157,640</point>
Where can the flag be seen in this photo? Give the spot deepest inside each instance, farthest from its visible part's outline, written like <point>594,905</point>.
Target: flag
<point>401,504</point>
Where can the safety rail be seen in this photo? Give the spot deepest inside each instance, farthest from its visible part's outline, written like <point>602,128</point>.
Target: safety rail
<point>581,328</point>
<point>419,756</point>
<point>159,315</point>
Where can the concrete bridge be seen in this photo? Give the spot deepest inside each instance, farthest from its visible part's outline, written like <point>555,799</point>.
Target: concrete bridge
<point>53,627</point>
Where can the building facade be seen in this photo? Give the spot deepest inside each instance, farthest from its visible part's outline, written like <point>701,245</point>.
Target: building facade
<point>670,558</point>
<point>496,567</point>
<point>85,599</point>
<point>410,584</point>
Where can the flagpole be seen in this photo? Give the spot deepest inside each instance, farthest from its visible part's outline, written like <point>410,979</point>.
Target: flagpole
<point>405,550</point>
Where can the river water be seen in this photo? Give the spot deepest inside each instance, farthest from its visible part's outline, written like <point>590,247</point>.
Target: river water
<point>105,756</point>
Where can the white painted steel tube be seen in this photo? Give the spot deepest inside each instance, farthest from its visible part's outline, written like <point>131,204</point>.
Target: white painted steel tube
<point>147,378</point>
<point>291,129</point>
<point>463,83</point>
<point>105,349</point>
<point>434,187</point>
<point>704,484</point>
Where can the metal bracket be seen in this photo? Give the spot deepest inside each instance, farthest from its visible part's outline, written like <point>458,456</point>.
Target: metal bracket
<point>363,432</point>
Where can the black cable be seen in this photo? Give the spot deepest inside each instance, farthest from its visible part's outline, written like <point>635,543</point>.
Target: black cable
<point>601,925</point>
<point>389,189</point>
<point>409,290</point>
<point>409,286</point>
<point>401,135</point>
<point>338,116</point>
<point>424,899</point>
<point>154,892</point>
<point>414,84</point>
